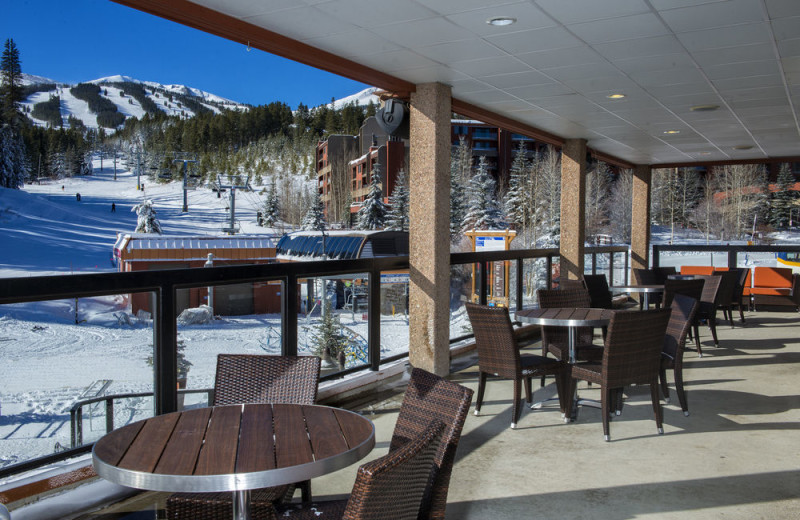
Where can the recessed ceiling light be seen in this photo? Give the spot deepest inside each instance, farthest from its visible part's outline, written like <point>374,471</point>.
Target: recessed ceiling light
<point>615,96</point>
<point>501,20</point>
<point>743,147</point>
<point>670,132</point>
<point>704,108</point>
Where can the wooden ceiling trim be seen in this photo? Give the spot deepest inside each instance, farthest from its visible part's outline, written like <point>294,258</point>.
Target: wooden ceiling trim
<point>708,164</point>
<point>234,29</point>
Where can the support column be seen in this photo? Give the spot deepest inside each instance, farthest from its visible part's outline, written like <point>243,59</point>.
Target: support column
<point>573,208</point>
<point>640,218</point>
<point>429,233</point>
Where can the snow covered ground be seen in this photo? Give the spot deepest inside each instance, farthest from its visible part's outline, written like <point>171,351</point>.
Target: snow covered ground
<point>48,362</point>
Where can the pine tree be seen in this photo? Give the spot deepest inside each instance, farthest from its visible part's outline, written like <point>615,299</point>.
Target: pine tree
<point>399,201</point>
<point>13,159</point>
<point>147,222</point>
<point>271,206</point>
<point>11,88</point>
<point>515,201</point>
<point>783,199</point>
<point>314,219</point>
<point>372,214</point>
<point>330,341</point>
<point>484,210</point>
<point>460,171</point>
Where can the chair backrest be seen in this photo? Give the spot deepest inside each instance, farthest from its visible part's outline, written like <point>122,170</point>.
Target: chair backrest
<point>393,486</point>
<point>554,298</point>
<point>662,273</point>
<point>684,309</point>
<point>690,288</point>
<point>645,277</point>
<point>633,346</point>
<point>727,286</point>
<point>772,276</point>
<point>247,378</point>
<point>429,397</point>
<point>498,352</point>
<point>599,292</point>
<point>710,288</point>
<point>741,283</point>
<point>569,285</point>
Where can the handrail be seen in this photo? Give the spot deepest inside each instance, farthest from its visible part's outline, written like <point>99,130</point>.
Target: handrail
<point>732,251</point>
<point>76,410</point>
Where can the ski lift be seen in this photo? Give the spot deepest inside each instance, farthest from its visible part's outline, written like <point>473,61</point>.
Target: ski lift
<point>165,174</point>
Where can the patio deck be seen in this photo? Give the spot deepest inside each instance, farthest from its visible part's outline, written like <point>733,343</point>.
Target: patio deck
<point>734,457</point>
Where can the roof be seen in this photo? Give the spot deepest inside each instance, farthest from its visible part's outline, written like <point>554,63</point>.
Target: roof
<point>551,72</point>
<point>341,245</point>
<point>131,241</point>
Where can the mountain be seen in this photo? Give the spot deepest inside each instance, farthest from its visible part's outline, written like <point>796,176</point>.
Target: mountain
<point>362,98</point>
<point>130,96</point>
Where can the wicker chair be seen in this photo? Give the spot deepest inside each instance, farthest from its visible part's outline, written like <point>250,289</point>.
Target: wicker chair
<point>599,292</point>
<point>708,309</point>
<point>555,340</point>
<point>498,355</point>
<point>684,309</point>
<point>429,397</point>
<point>632,356</point>
<point>727,293</point>
<point>690,288</point>
<point>244,378</point>
<point>652,277</point>
<point>390,487</point>
<point>738,292</point>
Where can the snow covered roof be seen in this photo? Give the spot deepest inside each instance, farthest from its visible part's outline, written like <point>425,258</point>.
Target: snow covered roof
<point>341,245</point>
<point>131,241</point>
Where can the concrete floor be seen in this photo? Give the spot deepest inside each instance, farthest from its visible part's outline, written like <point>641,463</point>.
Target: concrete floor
<point>737,456</point>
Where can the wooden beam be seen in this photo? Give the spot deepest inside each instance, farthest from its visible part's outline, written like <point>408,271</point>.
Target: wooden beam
<point>234,29</point>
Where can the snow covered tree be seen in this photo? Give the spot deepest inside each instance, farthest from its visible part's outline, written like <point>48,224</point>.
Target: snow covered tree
<point>598,182</point>
<point>314,219</point>
<point>330,341</point>
<point>516,204</point>
<point>399,201</point>
<point>372,214</point>
<point>783,198</point>
<point>11,87</point>
<point>13,159</point>
<point>484,210</point>
<point>460,171</point>
<point>271,209</point>
<point>147,221</point>
<point>621,208</point>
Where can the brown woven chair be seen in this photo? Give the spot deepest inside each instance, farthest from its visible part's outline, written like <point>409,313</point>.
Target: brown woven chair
<point>244,378</point>
<point>727,293</point>
<point>632,356</point>
<point>690,288</point>
<point>390,487</point>
<point>738,292</point>
<point>498,355</point>
<point>599,292</point>
<point>555,340</point>
<point>429,397</point>
<point>708,309</point>
<point>684,309</point>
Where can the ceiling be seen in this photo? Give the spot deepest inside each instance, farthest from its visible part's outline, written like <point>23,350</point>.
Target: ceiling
<point>554,68</point>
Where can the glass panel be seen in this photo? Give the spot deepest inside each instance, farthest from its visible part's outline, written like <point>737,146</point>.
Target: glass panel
<point>461,290</point>
<point>394,313</point>
<point>60,352</point>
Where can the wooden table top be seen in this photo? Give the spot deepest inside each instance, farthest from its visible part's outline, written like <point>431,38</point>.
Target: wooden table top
<point>236,447</point>
<point>566,317</point>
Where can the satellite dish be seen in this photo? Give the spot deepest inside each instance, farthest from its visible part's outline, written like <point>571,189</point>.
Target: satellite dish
<point>393,118</point>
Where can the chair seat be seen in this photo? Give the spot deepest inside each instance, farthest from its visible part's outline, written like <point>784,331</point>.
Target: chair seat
<point>582,352</point>
<point>535,365</point>
<point>330,509</point>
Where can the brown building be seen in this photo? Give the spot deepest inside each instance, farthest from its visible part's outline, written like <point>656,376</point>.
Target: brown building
<point>149,252</point>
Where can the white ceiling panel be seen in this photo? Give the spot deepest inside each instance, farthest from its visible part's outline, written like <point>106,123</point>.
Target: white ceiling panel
<point>555,66</point>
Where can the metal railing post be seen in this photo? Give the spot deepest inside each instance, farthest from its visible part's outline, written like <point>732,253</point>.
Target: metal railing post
<point>594,263</point>
<point>165,365</point>
<point>484,279</point>
<point>289,316</point>
<point>374,320</point>
<point>520,285</point>
<point>733,258</point>
<point>549,280</point>
<point>611,268</point>
<point>109,414</point>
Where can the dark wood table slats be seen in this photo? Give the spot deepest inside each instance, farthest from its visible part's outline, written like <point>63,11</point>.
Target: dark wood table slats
<point>354,433</point>
<point>324,432</point>
<point>296,448</point>
<point>146,449</point>
<point>223,426</point>
<point>115,448</point>
<point>257,445</point>
<point>180,453</point>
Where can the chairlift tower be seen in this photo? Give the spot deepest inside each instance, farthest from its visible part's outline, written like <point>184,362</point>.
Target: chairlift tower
<point>185,161</point>
<point>231,229</point>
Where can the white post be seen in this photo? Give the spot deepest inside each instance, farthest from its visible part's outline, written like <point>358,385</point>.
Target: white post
<point>210,263</point>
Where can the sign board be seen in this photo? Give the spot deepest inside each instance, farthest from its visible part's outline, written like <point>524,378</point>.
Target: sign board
<point>499,285</point>
<point>490,243</point>
<point>394,278</point>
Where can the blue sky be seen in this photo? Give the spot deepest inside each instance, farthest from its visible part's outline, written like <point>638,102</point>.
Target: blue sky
<point>80,40</point>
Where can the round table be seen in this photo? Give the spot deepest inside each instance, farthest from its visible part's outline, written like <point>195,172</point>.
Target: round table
<point>645,290</point>
<point>233,448</point>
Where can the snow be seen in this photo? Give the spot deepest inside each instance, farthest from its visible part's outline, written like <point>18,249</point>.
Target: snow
<point>362,98</point>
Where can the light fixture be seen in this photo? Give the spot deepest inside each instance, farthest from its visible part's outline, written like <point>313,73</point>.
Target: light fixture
<point>615,96</point>
<point>671,132</point>
<point>743,147</point>
<point>704,108</point>
<point>500,21</point>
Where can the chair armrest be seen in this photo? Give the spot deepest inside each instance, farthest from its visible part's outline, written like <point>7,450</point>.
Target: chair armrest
<point>795,294</point>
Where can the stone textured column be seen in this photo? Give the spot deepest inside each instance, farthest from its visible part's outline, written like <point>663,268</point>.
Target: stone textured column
<point>573,207</point>
<point>429,233</point>
<point>640,218</point>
